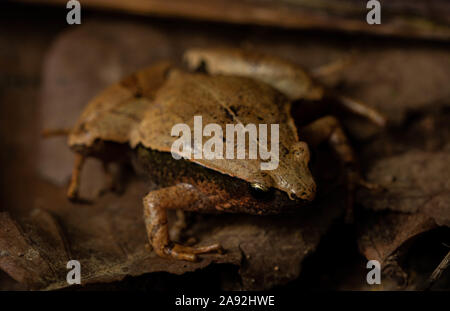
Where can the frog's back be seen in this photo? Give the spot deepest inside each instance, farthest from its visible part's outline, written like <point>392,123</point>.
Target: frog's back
<point>218,100</point>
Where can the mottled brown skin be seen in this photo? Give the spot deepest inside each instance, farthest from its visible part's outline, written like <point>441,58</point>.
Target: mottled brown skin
<point>223,100</point>
<point>188,186</point>
<point>224,193</point>
<point>132,113</point>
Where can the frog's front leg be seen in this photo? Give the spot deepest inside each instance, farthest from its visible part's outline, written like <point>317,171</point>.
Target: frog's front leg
<point>74,185</point>
<point>329,129</point>
<point>156,203</point>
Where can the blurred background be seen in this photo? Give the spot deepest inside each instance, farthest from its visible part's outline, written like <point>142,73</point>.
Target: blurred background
<point>49,70</point>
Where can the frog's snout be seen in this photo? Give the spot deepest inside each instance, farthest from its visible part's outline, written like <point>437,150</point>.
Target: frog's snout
<point>307,194</point>
<point>302,185</point>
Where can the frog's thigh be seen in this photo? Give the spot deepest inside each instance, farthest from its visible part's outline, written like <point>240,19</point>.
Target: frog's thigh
<point>329,129</point>
<point>156,203</point>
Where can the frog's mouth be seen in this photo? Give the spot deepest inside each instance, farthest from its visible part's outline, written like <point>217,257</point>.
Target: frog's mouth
<point>273,194</point>
<point>305,194</point>
<point>292,201</point>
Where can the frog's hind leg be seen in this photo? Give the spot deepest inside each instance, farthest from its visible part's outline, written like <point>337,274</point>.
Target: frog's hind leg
<point>348,103</point>
<point>329,129</point>
<point>74,186</point>
<point>156,203</point>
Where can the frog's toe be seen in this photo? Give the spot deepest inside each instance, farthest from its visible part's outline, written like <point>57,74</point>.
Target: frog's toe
<point>190,253</point>
<point>213,248</point>
<point>177,254</point>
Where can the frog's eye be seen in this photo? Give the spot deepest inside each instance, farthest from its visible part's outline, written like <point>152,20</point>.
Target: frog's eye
<point>261,186</point>
<point>258,187</point>
<point>260,191</point>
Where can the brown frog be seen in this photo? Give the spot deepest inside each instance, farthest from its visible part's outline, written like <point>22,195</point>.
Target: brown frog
<point>132,120</point>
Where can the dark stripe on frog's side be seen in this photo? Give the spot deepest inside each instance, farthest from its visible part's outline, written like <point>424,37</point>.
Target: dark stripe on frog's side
<point>232,194</point>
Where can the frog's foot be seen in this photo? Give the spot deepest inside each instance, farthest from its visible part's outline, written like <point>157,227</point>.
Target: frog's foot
<point>189,253</point>
<point>156,203</point>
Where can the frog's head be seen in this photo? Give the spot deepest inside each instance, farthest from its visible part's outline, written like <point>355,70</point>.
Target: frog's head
<point>292,175</point>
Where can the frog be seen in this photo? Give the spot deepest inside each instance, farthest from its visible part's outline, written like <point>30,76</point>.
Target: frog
<point>131,122</point>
